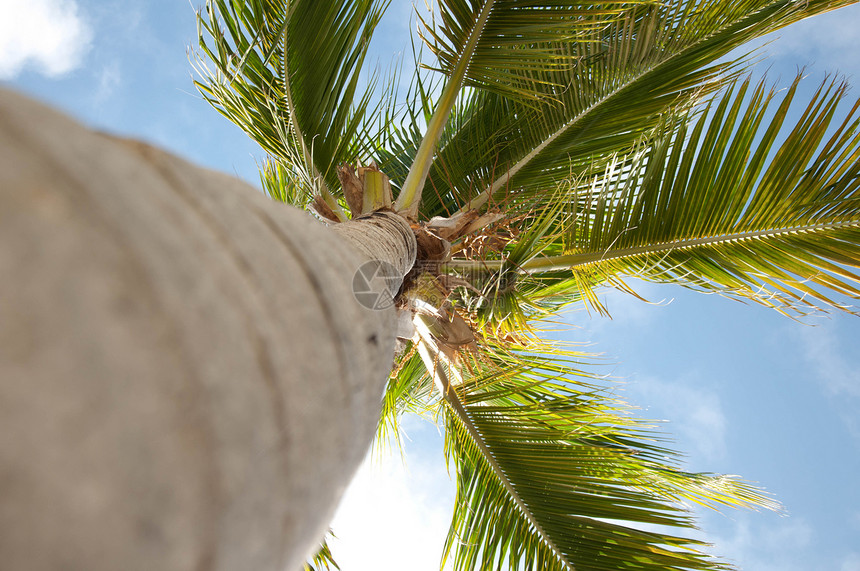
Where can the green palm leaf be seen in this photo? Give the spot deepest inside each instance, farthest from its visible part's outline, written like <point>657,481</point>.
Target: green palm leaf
<point>517,39</point>
<point>402,139</point>
<point>322,559</point>
<point>552,473</point>
<point>608,135</point>
<point>633,75</point>
<point>706,208</point>
<point>626,77</point>
<point>409,390</point>
<point>287,73</point>
<point>286,182</point>
<point>500,45</point>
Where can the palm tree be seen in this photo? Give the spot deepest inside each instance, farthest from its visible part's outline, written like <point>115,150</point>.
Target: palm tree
<point>171,355</point>
<point>544,150</point>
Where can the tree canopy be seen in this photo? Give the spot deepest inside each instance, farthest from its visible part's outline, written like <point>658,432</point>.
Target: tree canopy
<point>546,149</point>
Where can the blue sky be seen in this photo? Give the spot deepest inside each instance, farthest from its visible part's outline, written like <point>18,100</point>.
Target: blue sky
<point>743,389</point>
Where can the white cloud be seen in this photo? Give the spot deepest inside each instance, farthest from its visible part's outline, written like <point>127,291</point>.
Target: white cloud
<point>822,348</point>
<point>108,79</point>
<point>395,517</point>
<point>46,34</point>
<point>774,545</point>
<point>832,38</point>
<point>851,562</point>
<point>838,373</point>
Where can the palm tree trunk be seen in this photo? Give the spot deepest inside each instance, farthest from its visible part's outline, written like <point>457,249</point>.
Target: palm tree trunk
<point>187,381</point>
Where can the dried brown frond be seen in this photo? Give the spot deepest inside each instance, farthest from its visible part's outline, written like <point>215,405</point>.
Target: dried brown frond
<point>353,190</point>
<point>320,207</point>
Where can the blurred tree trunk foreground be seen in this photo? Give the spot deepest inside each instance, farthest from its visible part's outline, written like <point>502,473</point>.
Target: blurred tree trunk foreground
<point>187,380</point>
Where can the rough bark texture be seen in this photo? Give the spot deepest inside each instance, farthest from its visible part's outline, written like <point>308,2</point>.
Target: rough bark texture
<point>186,380</point>
<point>382,236</point>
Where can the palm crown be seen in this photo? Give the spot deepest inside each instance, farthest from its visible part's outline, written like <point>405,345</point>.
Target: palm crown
<point>549,148</point>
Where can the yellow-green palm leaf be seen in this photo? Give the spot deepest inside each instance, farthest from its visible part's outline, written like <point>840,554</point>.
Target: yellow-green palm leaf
<point>288,73</point>
<point>717,208</point>
<point>553,474</point>
<point>617,84</point>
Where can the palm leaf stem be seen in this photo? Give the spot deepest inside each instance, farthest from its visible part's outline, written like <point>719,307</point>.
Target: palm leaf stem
<point>528,157</point>
<point>570,261</point>
<point>500,182</point>
<point>410,195</point>
<point>433,357</point>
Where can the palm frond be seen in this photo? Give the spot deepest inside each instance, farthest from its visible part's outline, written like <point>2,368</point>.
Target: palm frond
<point>616,142</point>
<point>409,390</point>
<point>323,560</point>
<point>502,45</point>
<point>623,80</point>
<point>554,473</point>
<point>509,300</point>
<point>399,132</point>
<point>287,73</point>
<point>517,40</point>
<point>629,77</point>
<point>403,139</point>
<point>286,182</point>
<point>717,209</point>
